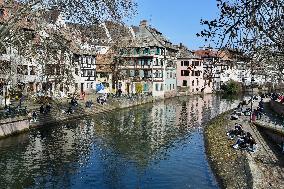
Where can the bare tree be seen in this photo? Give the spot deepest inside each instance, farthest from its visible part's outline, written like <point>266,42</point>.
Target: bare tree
<point>32,28</point>
<point>254,27</point>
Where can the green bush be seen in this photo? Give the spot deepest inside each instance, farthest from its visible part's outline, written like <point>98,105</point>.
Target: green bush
<point>231,87</point>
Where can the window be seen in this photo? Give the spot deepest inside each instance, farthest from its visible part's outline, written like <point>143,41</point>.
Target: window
<point>193,83</point>
<point>90,73</point>
<point>91,85</point>
<point>32,70</point>
<point>181,63</point>
<point>87,85</point>
<point>173,86</point>
<point>195,63</point>
<point>157,62</point>
<point>76,71</point>
<point>137,51</point>
<point>132,72</point>
<point>186,63</point>
<point>197,73</point>
<point>157,51</point>
<point>136,73</point>
<point>146,51</point>
<point>184,83</point>
<point>197,82</point>
<point>184,73</point>
<point>22,69</point>
<point>157,87</point>
<point>162,87</point>
<point>156,74</point>
<point>171,74</point>
<point>170,86</point>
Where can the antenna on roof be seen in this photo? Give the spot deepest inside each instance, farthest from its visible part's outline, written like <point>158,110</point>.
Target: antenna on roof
<point>150,20</point>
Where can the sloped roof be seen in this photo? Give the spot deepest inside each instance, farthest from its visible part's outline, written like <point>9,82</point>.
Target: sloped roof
<point>185,53</point>
<point>117,30</point>
<point>147,36</point>
<point>104,62</point>
<point>94,34</point>
<point>207,53</point>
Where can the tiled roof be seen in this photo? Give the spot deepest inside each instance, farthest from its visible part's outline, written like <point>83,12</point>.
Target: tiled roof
<point>104,62</point>
<point>206,53</point>
<point>185,53</point>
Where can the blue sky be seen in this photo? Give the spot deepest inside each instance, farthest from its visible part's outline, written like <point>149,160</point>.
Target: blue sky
<point>178,20</point>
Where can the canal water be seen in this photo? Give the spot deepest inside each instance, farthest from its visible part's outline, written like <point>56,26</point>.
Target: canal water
<point>157,145</point>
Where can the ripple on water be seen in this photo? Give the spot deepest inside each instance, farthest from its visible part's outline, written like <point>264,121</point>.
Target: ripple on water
<point>158,145</point>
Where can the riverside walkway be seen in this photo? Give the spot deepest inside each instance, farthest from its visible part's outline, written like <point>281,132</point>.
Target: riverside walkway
<point>271,120</point>
<point>267,163</point>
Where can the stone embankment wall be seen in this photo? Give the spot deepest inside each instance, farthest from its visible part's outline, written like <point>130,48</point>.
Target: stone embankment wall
<point>277,107</point>
<point>13,126</point>
<point>17,125</point>
<point>135,102</point>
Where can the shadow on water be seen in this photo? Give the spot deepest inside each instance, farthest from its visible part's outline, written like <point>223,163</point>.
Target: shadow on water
<point>157,145</point>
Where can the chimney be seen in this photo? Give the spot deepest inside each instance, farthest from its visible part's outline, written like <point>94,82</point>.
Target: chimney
<point>143,23</point>
<point>180,45</point>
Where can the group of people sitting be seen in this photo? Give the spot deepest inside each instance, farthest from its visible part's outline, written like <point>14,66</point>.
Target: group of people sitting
<point>89,104</point>
<point>244,140</point>
<point>247,111</point>
<point>43,109</point>
<point>73,103</point>
<point>102,99</point>
<point>259,111</point>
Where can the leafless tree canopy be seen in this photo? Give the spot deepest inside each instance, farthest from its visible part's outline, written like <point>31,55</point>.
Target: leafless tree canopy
<point>32,13</point>
<point>248,24</point>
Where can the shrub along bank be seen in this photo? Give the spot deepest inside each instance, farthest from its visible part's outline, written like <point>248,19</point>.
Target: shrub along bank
<point>231,88</point>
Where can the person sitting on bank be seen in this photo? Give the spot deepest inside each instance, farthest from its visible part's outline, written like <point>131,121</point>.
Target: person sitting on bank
<point>74,102</point>
<point>34,116</point>
<point>47,108</point>
<point>41,109</point>
<point>243,141</point>
<point>89,104</point>
<point>69,110</point>
<point>252,145</point>
<point>238,131</point>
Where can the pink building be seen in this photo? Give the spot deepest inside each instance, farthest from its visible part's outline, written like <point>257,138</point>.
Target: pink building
<point>189,72</point>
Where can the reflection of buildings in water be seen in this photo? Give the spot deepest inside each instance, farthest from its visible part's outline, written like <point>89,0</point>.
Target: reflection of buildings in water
<point>43,156</point>
<point>208,100</point>
<point>190,112</point>
<point>163,115</point>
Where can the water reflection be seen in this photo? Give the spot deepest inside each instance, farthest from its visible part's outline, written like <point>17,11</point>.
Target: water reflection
<point>154,146</point>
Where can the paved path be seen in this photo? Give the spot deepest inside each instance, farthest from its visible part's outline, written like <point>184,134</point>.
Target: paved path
<point>271,120</point>
<point>267,163</point>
